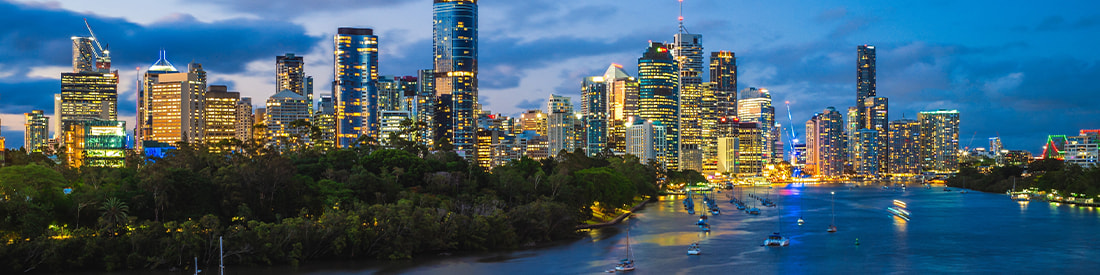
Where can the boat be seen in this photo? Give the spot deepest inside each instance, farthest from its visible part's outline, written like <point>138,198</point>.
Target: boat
<point>626,264</point>
<point>1018,196</point>
<point>693,249</point>
<point>832,226</point>
<point>801,221</point>
<point>900,209</point>
<point>754,211</point>
<point>777,240</point>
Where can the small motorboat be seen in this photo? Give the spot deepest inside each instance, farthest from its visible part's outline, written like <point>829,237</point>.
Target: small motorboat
<point>801,221</point>
<point>754,211</point>
<point>694,249</point>
<point>832,229</point>
<point>777,240</point>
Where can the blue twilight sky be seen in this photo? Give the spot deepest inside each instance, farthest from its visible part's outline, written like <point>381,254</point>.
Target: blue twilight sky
<point>1016,69</point>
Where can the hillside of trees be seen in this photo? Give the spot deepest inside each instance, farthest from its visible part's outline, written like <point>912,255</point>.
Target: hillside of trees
<point>288,207</point>
<point>1044,175</point>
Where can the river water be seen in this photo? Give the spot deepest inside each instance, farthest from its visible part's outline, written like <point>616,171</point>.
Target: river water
<point>948,232</point>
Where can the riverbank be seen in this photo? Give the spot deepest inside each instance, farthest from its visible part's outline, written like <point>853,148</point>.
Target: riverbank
<point>617,219</point>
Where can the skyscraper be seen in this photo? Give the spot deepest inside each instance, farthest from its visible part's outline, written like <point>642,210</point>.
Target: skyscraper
<point>687,50</point>
<point>455,55</point>
<point>87,96</point>
<point>723,79</point>
<point>290,75</point>
<point>658,96</point>
<point>865,153</point>
<point>755,105</point>
<point>904,147</point>
<point>325,121</point>
<point>37,133</point>
<point>824,144</point>
<point>425,106</point>
<point>144,128</point>
<point>646,139</point>
<point>939,134</point>
<point>244,123</point>
<point>865,80</point>
<point>594,114</point>
<point>356,71</point>
<point>175,105</point>
<point>559,125</point>
<point>622,105</point>
<point>83,54</point>
<point>878,119</point>
<point>220,114</point>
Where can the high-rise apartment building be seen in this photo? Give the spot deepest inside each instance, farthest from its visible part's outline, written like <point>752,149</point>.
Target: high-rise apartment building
<point>560,132</point>
<point>877,118</point>
<point>290,75</point>
<point>1083,149</point>
<point>425,106</point>
<point>594,114</point>
<point>723,79</point>
<point>824,144</point>
<point>939,135</point>
<point>283,109</point>
<point>904,147</point>
<point>36,135</point>
<point>325,121</point>
<point>174,105</point>
<point>622,105</point>
<point>751,149</point>
<point>455,55</point>
<point>356,71</point>
<point>243,124</point>
<point>755,105</point>
<point>647,140</point>
<point>865,80</point>
<point>534,120</point>
<point>865,152</point>
<point>658,96</point>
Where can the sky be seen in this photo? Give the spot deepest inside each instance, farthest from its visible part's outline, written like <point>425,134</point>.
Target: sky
<point>1020,70</point>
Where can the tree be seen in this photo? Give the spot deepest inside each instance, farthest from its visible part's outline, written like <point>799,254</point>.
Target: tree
<point>114,214</point>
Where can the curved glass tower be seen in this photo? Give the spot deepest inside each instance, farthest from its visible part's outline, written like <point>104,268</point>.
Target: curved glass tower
<point>455,55</point>
<point>658,96</point>
<point>356,71</point>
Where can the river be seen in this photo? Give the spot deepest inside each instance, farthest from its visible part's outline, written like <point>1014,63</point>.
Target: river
<point>949,232</point>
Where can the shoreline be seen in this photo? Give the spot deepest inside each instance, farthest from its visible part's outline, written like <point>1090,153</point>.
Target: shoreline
<point>616,220</point>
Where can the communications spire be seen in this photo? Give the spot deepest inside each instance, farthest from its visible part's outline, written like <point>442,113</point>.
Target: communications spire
<point>681,18</point>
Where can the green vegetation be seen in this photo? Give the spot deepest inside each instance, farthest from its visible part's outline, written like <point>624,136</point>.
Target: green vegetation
<point>1044,175</point>
<point>306,204</point>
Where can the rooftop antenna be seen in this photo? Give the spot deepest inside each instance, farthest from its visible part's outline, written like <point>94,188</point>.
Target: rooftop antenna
<point>682,28</point>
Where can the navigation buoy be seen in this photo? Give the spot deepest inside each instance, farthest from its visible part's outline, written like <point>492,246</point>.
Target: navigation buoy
<point>857,241</point>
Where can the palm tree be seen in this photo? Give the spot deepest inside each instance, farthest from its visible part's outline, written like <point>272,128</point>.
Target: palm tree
<point>114,214</point>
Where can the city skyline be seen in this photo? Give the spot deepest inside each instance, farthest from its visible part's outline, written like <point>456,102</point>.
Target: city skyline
<point>923,69</point>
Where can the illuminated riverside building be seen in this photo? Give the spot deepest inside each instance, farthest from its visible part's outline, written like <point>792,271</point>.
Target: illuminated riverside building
<point>647,140</point>
<point>356,71</point>
<point>865,152</point>
<point>455,65</point>
<point>242,129</point>
<point>751,149</point>
<point>622,105</point>
<point>850,128</point>
<point>687,50</point>
<point>824,144</point>
<point>878,119</point>
<point>998,150</point>
<point>723,90</point>
<point>939,141</point>
<point>1083,149</point>
<point>36,135</point>
<point>174,105</point>
<point>1018,157</point>
<point>658,97</point>
<point>865,81</point>
<point>904,147</point>
<point>594,114</point>
<point>755,105</point>
<point>290,75</point>
<point>560,132</point>
<point>96,143</point>
<point>283,109</point>
<point>220,114</point>
<point>325,121</point>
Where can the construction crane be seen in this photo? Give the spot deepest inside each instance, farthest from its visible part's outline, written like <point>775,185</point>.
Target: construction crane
<point>102,54</point>
<point>795,171</point>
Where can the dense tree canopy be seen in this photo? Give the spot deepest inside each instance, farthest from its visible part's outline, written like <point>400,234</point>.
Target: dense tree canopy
<point>307,203</point>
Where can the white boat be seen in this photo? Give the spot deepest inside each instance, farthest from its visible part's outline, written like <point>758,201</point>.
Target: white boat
<point>900,209</point>
<point>777,240</point>
<point>694,249</point>
<point>626,264</point>
<point>801,221</point>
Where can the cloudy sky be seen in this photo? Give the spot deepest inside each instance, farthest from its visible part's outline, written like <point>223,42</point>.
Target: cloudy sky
<point>1016,69</point>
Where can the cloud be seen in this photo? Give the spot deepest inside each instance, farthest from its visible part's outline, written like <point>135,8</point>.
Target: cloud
<point>1059,23</point>
<point>296,8</point>
<point>532,104</point>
